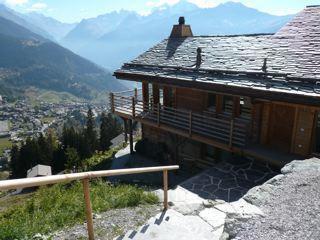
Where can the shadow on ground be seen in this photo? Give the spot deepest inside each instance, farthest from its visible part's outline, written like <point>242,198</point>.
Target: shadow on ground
<point>230,180</point>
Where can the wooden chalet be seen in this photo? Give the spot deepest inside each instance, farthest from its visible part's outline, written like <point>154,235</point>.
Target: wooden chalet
<point>206,96</point>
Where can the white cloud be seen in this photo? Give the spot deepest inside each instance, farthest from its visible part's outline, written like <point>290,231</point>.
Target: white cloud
<point>37,7</point>
<point>15,2</point>
<point>161,2</point>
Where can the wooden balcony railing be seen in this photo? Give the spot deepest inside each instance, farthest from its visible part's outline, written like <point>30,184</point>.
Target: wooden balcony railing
<point>230,132</point>
<point>85,177</point>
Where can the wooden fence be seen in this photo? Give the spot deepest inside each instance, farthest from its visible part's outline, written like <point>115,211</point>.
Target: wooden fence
<point>85,178</point>
<point>229,131</point>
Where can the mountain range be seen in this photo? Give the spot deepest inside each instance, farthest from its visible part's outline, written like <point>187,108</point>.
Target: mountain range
<point>131,33</point>
<point>34,48</point>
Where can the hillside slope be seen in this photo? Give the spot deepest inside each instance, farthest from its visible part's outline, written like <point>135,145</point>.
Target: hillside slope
<point>28,60</point>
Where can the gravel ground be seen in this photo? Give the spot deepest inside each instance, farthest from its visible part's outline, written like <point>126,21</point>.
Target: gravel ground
<point>111,224</point>
<point>291,203</point>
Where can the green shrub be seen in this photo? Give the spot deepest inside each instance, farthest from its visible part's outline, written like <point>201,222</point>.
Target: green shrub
<point>53,208</point>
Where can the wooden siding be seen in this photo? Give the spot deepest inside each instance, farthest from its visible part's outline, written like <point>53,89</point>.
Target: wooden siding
<point>265,123</point>
<point>190,99</point>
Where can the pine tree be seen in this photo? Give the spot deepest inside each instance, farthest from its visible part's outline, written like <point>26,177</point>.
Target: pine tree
<point>14,163</point>
<point>105,141</point>
<point>90,133</point>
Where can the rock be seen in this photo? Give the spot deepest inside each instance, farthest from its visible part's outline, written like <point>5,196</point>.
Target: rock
<point>239,209</point>
<point>214,217</point>
<point>97,216</point>
<point>296,166</point>
<point>259,194</point>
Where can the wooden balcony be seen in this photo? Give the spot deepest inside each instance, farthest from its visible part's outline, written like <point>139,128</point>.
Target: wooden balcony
<point>225,133</point>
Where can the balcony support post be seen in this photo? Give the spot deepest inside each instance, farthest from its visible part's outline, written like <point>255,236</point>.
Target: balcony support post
<point>125,122</point>
<point>131,136</point>
<point>231,133</point>
<point>133,107</point>
<point>158,113</point>
<point>112,102</point>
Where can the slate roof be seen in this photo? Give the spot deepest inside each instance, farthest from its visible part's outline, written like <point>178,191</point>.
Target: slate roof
<point>293,59</point>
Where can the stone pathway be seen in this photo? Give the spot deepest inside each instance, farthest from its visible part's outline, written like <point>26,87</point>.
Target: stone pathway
<point>229,180</point>
<point>200,206</point>
<point>206,224</point>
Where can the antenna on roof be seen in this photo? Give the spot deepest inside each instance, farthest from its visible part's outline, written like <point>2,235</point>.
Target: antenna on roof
<point>264,67</point>
<point>199,57</point>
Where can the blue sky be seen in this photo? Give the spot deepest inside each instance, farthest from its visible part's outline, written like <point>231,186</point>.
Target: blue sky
<point>75,10</point>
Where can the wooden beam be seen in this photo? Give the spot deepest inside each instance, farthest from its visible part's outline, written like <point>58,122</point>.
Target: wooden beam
<point>219,103</point>
<point>236,108</point>
<point>131,136</point>
<point>145,95</point>
<point>86,191</point>
<point>125,122</point>
<point>223,89</point>
<point>112,102</point>
<point>165,189</point>
<point>54,179</point>
<point>155,94</point>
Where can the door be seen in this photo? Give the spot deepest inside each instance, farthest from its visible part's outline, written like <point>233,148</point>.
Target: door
<point>281,127</point>
<point>302,143</point>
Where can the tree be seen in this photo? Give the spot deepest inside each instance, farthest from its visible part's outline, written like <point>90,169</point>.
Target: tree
<point>14,163</point>
<point>90,133</point>
<point>105,139</point>
<point>72,159</point>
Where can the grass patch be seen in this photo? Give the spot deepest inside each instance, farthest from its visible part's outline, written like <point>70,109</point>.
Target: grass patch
<point>53,208</point>
<point>4,144</point>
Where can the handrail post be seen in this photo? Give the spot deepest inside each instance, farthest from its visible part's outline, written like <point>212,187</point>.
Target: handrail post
<point>136,93</point>
<point>112,102</point>
<point>165,189</point>
<point>133,108</point>
<point>86,191</point>
<point>190,123</point>
<point>158,117</point>
<point>231,133</point>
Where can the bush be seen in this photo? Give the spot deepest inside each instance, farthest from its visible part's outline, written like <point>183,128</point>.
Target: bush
<point>53,208</point>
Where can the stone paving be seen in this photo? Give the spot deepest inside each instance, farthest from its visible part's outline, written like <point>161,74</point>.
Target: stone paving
<point>230,180</point>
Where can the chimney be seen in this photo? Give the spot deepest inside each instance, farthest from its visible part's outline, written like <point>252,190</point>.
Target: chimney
<point>181,30</point>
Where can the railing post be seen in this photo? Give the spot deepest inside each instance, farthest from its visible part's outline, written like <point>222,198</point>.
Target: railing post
<point>133,108</point>
<point>165,189</point>
<point>112,102</point>
<point>158,116</point>
<point>231,133</point>
<point>190,123</point>
<point>86,191</point>
<point>136,93</point>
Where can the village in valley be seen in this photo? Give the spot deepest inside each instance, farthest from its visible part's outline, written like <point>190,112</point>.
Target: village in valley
<point>21,119</point>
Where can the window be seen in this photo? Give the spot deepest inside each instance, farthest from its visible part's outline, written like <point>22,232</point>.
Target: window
<point>211,101</point>
<point>245,107</point>
<point>227,104</point>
